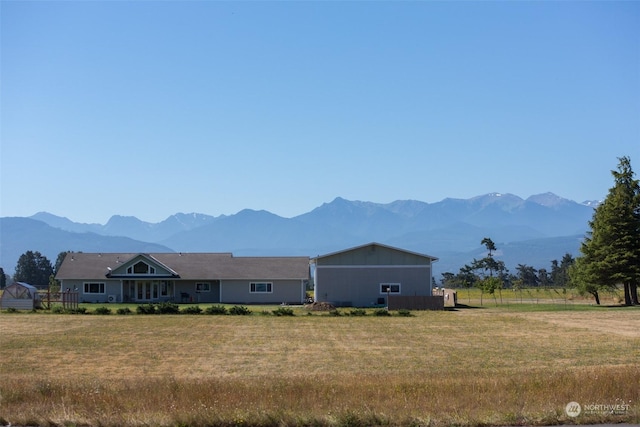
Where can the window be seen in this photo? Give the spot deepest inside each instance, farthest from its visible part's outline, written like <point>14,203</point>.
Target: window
<point>94,288</point>
<point>166,288</point>
<point>203,287</point>
<point>141,268</point>
<point>391,288</point>
<point>260,287</point>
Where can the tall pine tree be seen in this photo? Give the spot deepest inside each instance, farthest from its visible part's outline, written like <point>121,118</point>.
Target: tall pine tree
<point>611,250</point>
<point>33,268</point>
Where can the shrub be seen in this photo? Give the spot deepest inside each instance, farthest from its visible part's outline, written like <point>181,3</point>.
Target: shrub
<point>239,310</point>
<point>335,313</point>
<point>404,313</point>
<point>192,309</point>
<point>102,310</point>
<point>11,310</point>
<point>58,309</point>
<point>168,308</point>
<point>358,312</point>
<point>124,310</point>
<point>283,311</point>
<point>146,309</point>
<point>216,310</point>
<point>381,312</point>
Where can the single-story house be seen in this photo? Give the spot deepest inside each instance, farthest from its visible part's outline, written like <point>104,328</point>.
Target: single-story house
<point>21,296</point>
<point>184,277</point>
<point>367,275</point>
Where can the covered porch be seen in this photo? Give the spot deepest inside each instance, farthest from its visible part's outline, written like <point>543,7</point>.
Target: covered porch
<point>178,291</point>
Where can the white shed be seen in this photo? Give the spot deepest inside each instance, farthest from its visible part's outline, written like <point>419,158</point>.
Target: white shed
<point>21,296</point>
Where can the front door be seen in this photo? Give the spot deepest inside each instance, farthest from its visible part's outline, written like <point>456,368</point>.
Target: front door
<point>146,290</point>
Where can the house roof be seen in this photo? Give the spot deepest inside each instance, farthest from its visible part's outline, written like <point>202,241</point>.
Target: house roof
<point>186,266</point>
<point>355,248</point>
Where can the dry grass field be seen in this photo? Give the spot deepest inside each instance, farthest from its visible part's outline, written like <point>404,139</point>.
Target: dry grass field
<point>490,366</point>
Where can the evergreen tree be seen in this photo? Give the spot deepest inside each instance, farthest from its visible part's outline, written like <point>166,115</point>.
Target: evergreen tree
<point>59,260</point>
<point>33,268</point>
<point>611,250</point>
<point>489,264</point>
<point>527,276</point>
<point>559,275</point>
<point>543,278</point>
<point>560,271</point>
<point>581,276</point>
<point>467,279</point>
<point>3,279</point>
<point>448,280</point>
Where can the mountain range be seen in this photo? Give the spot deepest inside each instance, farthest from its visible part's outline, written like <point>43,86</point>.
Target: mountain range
<point>532,231</point>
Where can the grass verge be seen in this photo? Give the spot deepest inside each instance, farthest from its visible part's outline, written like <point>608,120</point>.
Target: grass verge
<point>467,367</point>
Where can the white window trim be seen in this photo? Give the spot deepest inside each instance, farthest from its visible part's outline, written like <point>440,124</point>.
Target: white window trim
<point>203,287</point>
<point>151,270</point>
<point>252,285</point>
<point>86,287</point>
<point>383,287</point>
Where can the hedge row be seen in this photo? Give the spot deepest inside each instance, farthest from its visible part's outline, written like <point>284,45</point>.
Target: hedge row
<point>237,310</point>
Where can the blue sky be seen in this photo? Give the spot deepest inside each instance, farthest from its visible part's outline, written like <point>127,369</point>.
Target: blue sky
<point>149,108</point>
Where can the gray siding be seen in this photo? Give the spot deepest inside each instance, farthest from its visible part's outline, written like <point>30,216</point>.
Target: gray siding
<point>188,287</point>
<point>18,304</point>
<point>225,291</point>
<point>283,291</point>
<point>360,285</point>
<point>374,255</point>
<point>112,287</point>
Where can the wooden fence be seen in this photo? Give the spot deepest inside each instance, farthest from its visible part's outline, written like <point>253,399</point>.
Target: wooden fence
<point>68,300</point>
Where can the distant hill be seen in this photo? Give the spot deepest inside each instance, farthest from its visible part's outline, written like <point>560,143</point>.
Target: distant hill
<point>534,231</point>
<point>131,226</point>
<point>19,235</point>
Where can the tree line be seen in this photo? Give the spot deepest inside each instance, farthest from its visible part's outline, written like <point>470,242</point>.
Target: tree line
<point>610,252</point>
<point>35,269</point>
<point>491,276</point>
